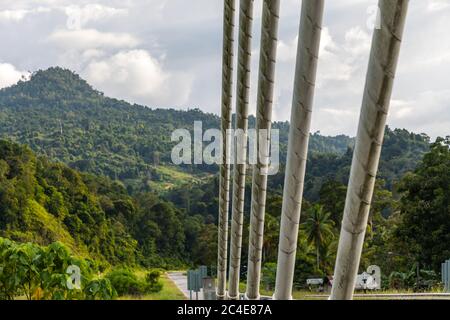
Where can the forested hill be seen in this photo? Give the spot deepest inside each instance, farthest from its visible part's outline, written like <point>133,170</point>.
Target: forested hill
<point>61,116</point>
<point>43,202</point>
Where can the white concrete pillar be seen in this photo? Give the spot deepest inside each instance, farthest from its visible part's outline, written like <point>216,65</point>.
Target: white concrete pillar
<point>224,183</point>
<point>268,52</point>
<point>305,78</point>
<point>240,145</point>
<point>377,95</point>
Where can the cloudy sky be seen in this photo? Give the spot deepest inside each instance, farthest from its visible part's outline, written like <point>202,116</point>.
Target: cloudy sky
<point>167,53</point>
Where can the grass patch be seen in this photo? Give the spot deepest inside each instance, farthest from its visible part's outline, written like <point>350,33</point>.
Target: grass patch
<point>172,177</point>
<point>168,292</point>
<point>359,295</point>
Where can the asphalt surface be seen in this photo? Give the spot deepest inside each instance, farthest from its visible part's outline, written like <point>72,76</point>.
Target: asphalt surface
<point>180,280</point>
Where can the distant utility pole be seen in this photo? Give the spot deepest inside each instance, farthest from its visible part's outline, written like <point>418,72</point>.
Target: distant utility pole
<point>384,55</point>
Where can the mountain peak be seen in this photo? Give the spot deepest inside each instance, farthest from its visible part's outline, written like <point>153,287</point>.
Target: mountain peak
<point>57,75</point>
<point>52,83</point>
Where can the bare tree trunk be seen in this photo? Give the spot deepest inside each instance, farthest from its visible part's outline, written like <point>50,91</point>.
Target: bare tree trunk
<point>377,94</point>
<point>242,101</point>
<point>224,192</point>
<point>269,39</point>
<point>305,77</point>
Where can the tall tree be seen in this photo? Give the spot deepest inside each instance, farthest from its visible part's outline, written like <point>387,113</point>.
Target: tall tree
<point>377,95</point>
<point>425,208</point>
<point>332,197</point>
<point>319,229</point>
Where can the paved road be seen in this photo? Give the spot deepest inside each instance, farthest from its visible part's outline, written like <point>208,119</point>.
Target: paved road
<point>180,280</point>
<point>394,296</point>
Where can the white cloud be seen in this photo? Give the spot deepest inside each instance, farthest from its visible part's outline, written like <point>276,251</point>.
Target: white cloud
<point>9,75</point>
<point>357,42</point>
<point>13,15</point>
<point>438,5</point>
<point>331,59</point>
<point>138,77</point>
<point>77,16</point>
<point>287,51</point>
<point>19,14</point>
<point>340,79</point>
<point>336,62</point>
<point>332,63</point>
<point>91,38</point>
<point>400,109</point>
<point>426,111</point>
<point>90,54</point>
<point>80,16</point>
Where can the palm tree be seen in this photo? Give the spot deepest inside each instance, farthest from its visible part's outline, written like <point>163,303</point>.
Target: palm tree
<point>242,99</point>
<point>377,94</point>
<point>328,255</point>
<point>269,36</point>
<point>319,229</point>
<point>271,229</point>
<point>305,77</point>
<point>224,184</point>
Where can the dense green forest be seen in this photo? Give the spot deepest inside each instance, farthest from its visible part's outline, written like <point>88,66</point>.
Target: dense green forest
<point>94,174</point>
<point>44,202</point>
<point>61,116</point>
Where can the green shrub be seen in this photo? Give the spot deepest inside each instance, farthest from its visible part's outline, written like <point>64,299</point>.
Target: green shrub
<point>152,281</point>
<point>125,282</point>
<point>100,289</point>
<point>269,272</point>
<point>38,272</point>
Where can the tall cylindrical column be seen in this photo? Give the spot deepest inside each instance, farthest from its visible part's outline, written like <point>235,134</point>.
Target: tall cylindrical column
<point>268,52</point>
<point>305,78</point>
<point>377,95</point>
<point>240,145</point>
<point>224,183</point>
